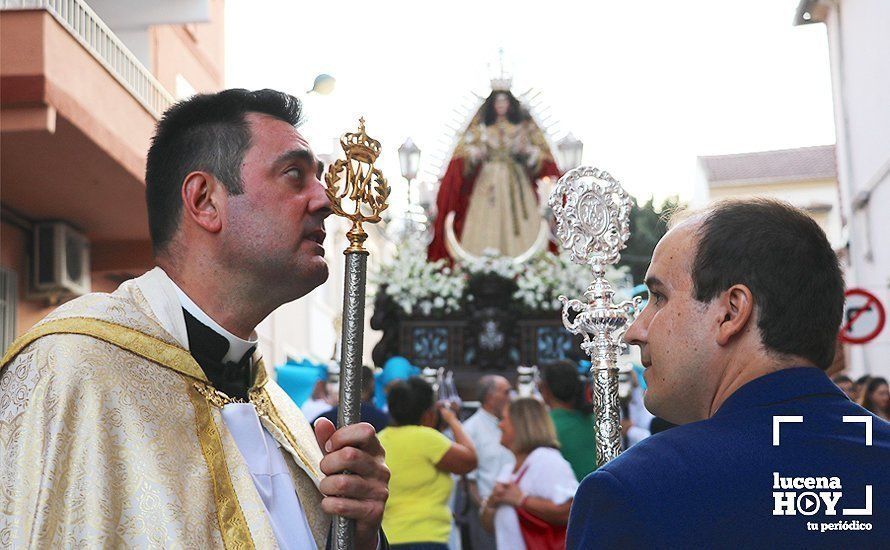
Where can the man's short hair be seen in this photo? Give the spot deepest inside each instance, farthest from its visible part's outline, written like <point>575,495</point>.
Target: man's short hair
<point>209,133</point>
<point>564,382</point>
<point>408,400</point>
<point>782,255</point>
<point>367,383</point>
<point>841,379</point>
<point>486,385</point>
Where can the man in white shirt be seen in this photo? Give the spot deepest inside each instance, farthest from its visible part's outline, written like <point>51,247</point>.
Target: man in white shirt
<point>147,408</point>
<point>317,402</point>
<point>482,428</point>
<point>638,417</point>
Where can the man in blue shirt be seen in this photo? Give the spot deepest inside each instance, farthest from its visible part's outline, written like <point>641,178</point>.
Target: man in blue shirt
<point>745,303</point>
<point>369,413</point>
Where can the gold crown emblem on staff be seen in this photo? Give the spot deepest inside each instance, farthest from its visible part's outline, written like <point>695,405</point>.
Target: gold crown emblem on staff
<point>363,186</point>
<point>359,145</point>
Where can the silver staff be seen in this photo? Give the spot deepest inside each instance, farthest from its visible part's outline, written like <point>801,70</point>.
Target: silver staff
<point>361,199</point>
<point>592,212</point>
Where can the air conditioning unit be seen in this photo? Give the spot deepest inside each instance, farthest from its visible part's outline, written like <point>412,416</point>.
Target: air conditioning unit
<point>61,261</point>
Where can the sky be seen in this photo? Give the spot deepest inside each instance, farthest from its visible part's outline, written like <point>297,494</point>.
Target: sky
<point>647,85</point>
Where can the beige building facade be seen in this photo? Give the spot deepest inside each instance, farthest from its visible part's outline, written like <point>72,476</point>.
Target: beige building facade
<point>805,177</point>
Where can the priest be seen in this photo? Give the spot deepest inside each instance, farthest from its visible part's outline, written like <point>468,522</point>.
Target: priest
<point>145,417</point>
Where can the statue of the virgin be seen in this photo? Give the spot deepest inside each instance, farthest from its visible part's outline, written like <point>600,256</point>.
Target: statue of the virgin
<point>490,182</point>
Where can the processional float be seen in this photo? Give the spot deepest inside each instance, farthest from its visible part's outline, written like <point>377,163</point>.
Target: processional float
<point>358,192</point>
<point>592,212</point>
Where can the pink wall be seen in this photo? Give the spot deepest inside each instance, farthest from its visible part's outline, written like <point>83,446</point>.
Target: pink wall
<point>15,255</point>
<point>194,51</point>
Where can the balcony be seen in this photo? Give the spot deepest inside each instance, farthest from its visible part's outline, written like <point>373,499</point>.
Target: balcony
<point>77,112</point>
<point>86,27</point>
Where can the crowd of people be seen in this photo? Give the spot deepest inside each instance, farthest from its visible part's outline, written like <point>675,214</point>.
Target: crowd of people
<point>507,472</point>
<point>871,392</point>
<point>506,476</point>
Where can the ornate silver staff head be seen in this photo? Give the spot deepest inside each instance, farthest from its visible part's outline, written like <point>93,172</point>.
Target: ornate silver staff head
<point>592,213</point>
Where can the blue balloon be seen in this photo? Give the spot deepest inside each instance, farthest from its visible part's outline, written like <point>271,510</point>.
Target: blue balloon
<point>395,368</point>
<point>297,379</point>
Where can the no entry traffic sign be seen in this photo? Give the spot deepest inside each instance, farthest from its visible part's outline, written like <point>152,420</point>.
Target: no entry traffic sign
<point>864,317</point>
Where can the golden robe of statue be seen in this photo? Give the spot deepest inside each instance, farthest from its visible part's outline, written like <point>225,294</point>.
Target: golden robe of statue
<point>110,435</point>
<point>503,209</point>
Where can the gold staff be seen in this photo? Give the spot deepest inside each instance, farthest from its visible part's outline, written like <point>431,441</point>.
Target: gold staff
<point>361,199</point>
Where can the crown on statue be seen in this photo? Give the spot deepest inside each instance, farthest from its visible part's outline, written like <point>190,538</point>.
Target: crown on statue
<point>359,146</point>
<point>502,83</point>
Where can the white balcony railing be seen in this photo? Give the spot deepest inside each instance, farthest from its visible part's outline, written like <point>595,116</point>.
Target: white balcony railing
<point>83,23</point>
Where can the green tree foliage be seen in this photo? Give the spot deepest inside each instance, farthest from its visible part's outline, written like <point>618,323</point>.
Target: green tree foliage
<point>647,226</point>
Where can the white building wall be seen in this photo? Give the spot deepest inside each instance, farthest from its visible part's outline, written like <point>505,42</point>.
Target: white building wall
<point>859,49</point>
<point>701,193</point>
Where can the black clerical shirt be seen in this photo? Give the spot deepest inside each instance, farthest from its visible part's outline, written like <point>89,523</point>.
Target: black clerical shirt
<point>208,348</point>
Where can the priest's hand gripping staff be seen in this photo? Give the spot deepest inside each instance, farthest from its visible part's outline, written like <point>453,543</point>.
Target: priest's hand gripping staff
<point>357,191</point>
<point>592,212</point>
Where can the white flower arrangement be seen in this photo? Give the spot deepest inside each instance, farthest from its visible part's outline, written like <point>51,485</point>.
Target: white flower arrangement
<point>425,288</point>
<point>547,276</point>
<point>490,262</point>
<point>419,287</point>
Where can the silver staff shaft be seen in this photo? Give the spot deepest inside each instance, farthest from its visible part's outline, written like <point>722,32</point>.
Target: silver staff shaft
<point>605,410</point>
<point>351,367</point>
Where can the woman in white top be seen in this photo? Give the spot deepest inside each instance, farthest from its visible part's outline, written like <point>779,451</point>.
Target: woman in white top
<point>541,484</point>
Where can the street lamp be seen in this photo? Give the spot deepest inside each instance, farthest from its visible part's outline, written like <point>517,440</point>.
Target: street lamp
<point>570,149</point>
<point>409,161</point>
